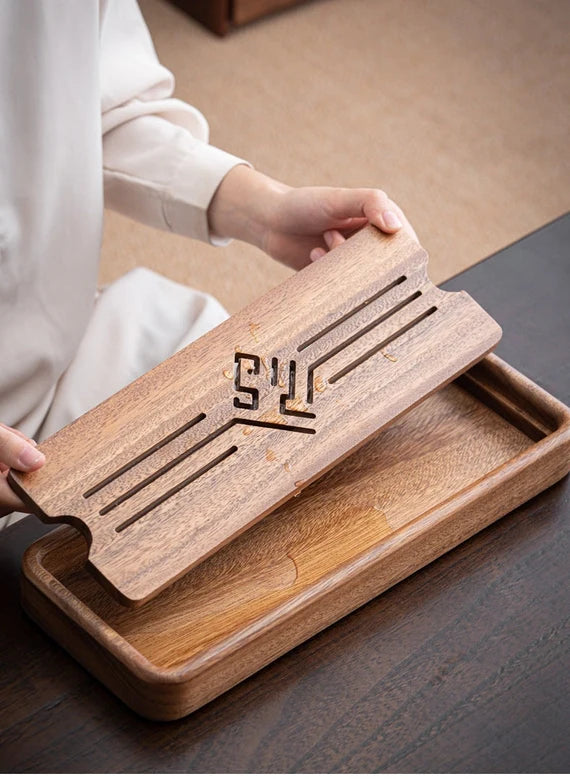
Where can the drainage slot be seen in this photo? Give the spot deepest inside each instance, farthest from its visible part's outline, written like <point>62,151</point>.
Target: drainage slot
<point>354,311</point>
<point>196,475</point>
<point>352,339</point>
<point>139,458</point>
<point>381,345</point>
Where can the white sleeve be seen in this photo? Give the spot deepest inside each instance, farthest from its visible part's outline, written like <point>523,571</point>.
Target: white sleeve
<point>158,165</point>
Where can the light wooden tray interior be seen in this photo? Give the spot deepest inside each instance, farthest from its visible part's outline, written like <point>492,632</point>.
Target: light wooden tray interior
<point>462,458</point>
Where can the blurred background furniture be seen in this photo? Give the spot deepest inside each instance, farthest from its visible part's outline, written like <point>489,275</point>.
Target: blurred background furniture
<point>221,15</point>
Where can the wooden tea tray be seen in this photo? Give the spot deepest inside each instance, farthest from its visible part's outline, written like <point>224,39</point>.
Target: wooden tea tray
<point>194,452</point>
<point>461,459</point>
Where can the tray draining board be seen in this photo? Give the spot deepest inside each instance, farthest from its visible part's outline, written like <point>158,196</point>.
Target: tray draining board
<point>194,452</point>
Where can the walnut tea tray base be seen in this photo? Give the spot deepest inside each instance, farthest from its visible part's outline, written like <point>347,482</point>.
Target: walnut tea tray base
<point>464,457</point>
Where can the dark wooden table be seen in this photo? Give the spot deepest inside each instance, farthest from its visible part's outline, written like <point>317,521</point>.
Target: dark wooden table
<point>465,666</point>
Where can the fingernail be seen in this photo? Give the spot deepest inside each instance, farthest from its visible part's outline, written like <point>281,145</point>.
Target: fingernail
<point>329,237</point>
<point>391,220</point>
<point>30,457</point>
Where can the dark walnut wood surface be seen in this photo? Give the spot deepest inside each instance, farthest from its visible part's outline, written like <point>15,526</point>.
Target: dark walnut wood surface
<point>462,667</point>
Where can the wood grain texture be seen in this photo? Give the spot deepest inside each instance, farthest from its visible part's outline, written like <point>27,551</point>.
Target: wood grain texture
<point>461,459</point>
<point>190,455</point>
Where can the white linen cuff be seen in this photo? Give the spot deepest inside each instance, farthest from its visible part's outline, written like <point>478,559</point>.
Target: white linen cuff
<point>192,188</point>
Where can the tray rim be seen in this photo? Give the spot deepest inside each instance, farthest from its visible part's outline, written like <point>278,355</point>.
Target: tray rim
<point>141,667</point>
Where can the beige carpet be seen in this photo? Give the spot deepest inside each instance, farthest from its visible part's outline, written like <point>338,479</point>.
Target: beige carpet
<point>460,109</point>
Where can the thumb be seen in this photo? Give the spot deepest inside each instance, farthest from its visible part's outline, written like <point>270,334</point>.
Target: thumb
<point>18,452</point>
<point>372,205</point>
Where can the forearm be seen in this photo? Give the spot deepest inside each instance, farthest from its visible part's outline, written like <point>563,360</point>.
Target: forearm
<point>244,205</point>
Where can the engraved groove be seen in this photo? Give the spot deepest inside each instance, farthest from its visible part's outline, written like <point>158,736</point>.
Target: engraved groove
<point>349,341</point>
<point>283,409</point>
<point>371,352</point>
<point>139,458</point>
<point>180,486</point>
<point>253,405</point>
<point>275,425</point>
<point>274,370</point>
<point>337,322</point>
